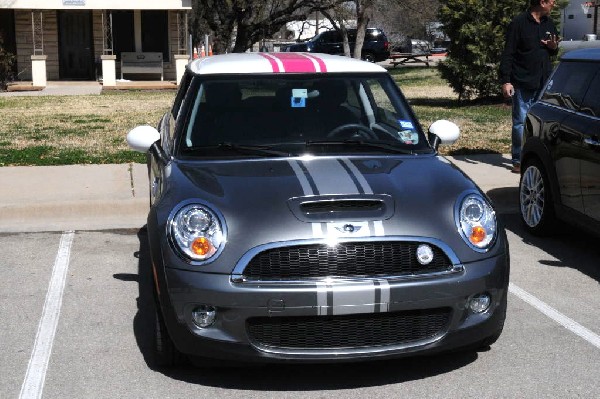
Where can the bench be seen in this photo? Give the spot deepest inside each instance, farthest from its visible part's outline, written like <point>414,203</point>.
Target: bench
<point>140,63</point>
<point>409,58</point>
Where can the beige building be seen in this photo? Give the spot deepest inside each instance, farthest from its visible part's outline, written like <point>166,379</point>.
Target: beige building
<point>78,39</point>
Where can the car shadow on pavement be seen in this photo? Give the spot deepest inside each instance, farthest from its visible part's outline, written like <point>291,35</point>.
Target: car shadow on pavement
<point>569,246</point>
<point>277,377</point>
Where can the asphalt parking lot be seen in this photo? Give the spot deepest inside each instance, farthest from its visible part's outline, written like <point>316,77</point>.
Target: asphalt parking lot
<point>77,312</point>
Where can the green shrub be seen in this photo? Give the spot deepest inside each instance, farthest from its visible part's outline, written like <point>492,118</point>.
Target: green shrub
<point>6,65</point>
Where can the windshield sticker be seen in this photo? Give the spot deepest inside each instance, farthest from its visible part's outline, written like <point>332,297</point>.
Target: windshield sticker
<point>409,137</point>
<point>406,124</point>
<point>299,98</point>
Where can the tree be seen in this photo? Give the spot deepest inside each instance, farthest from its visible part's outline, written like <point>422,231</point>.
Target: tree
<point>250,21</point>
<point>477,30</point>
<point>405,19</point>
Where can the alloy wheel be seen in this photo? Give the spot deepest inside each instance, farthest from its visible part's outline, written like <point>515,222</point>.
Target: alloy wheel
<point>532,196</point>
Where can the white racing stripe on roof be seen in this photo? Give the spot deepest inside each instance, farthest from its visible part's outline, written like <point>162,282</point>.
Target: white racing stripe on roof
<point>276,60</point>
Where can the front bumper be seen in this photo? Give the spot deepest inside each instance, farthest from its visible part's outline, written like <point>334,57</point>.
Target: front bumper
<point>240,306</point>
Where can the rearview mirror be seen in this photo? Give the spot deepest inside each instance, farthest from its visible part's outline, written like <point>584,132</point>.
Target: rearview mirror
<point>443,132</point>
<point>141,138</point>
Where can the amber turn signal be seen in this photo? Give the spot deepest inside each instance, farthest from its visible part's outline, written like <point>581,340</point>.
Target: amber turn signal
<point>202,246</point>
<point>477,234</point>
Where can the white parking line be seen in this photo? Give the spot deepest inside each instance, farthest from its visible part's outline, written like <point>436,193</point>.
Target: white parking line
<point>555,315</point>
<point>33,385</point>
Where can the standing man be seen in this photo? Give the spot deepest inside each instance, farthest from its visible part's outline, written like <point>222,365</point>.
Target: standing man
<point>525,65</point>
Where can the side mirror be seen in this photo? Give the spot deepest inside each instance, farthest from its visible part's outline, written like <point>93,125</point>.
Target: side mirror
<point>141,138</point>
<point>443,132</point>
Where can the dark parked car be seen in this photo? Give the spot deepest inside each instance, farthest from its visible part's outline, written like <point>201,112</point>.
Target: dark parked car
<point>300,213</point>
<point>560,174</point>
<point>376,46</point>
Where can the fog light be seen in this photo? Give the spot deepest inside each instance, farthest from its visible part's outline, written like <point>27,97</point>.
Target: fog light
<point>480,303</point>
<point>424,254</point>
<point>204,316</point>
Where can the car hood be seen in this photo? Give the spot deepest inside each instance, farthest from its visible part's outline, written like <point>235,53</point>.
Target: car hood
<point>267,201</point>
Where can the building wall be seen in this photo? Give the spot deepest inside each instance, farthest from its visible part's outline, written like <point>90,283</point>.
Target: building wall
<point>24,42</point>
<point>576,23</point>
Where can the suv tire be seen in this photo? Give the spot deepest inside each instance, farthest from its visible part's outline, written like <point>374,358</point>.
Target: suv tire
<point>535,199</point>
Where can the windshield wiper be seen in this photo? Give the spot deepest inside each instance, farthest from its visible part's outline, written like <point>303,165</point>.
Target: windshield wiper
<point>362,143</point>
<point>242,149</point>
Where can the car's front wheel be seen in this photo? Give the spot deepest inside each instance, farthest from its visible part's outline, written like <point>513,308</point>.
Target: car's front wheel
<point>535,199</point>
<point>165,352</point>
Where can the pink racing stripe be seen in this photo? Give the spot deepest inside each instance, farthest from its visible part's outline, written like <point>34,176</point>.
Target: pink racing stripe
<point>296,62</point>
<point>272,61</point>
<point>321,63</point>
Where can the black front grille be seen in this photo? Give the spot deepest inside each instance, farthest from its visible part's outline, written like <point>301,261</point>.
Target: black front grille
<point>348,331</point>
<point>354,259</point>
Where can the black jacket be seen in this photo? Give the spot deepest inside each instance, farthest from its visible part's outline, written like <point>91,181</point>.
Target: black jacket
<point>525,61</point>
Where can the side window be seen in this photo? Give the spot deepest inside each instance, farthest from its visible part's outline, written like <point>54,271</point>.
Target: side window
<point>591,101</point>
<point>569,84</point>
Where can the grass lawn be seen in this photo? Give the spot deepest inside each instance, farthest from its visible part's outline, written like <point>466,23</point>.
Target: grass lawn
<point>61,130</point>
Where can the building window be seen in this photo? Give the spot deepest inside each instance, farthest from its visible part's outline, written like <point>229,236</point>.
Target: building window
<point>155,32</point>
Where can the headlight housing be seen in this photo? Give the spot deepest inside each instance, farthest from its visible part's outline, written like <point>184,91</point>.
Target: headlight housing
<point>476,222</point>
<point>197,232</point>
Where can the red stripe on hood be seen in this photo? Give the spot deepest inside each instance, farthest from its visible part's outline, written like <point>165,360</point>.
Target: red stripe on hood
<point>295,62</point>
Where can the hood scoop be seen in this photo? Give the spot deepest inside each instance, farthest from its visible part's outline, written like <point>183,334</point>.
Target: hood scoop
<point>331,208</point>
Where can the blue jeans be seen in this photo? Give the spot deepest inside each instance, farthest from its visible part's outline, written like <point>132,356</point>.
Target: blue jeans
<point>522,100</point>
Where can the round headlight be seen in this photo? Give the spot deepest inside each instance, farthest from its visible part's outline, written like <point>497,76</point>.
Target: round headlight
<point>477,222</point>
<point>196,231</point>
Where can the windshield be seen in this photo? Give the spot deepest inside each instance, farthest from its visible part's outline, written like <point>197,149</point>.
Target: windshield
<point>299,114</point>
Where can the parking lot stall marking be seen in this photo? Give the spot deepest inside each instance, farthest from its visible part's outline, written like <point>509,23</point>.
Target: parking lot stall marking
<point>33,385</point>
<point>555,315</point>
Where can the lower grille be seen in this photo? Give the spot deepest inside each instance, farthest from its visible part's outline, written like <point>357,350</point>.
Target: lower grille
<point>352,259</point>
<point>348,331</point>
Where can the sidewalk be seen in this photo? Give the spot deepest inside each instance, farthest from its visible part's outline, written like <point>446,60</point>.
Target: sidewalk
<point>101,197</point>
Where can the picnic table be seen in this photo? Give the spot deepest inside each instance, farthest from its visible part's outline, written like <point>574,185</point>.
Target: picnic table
<point>409,58</point>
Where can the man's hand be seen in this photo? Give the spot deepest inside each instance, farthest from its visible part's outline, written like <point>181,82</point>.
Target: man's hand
<point>508,90</point>
<point>551,41</point>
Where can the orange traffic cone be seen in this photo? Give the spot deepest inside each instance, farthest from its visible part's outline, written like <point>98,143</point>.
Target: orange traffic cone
<point>195,52</point>
<point>202,52</point>
<point>210,50</point>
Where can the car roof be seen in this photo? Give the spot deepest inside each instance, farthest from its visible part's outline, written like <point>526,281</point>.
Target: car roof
<point>584,54</point>
<point>252,63</point>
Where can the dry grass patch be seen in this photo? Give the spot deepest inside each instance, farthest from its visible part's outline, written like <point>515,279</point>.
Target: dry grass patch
<point>76,129</point>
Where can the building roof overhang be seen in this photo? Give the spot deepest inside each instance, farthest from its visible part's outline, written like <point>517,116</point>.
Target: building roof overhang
<point>97,4</point>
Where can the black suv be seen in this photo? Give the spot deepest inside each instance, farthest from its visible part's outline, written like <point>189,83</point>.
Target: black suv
<point>376,46</point>
<point>561,148</point>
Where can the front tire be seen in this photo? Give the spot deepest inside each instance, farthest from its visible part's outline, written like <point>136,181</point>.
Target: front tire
<point>165,352</point>
<point>535,199</point>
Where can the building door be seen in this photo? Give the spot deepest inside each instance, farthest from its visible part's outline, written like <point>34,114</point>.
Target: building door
<point>75,46</point>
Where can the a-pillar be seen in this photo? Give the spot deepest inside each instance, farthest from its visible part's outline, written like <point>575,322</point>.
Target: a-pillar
<point>109,74</point>
<point>38,70</point>
<point>181,61</point>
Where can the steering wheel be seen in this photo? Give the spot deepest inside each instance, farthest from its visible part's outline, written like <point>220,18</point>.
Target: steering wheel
<point>351,130</point>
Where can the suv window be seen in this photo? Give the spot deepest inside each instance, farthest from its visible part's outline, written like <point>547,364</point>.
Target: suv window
<point>569,84</point>
<point>591,102</point>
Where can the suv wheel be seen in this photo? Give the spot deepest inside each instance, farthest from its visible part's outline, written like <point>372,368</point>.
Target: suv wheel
<point>535,199</point>
<point>368,57</point>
